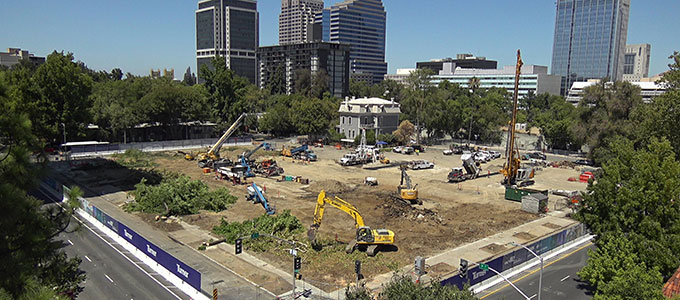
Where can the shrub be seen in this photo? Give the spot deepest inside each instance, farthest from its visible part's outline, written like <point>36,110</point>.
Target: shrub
<point>178,195</point>
<point>283,225</point>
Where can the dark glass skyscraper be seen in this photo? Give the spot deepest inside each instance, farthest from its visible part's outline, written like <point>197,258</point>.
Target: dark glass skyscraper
<point>228,28</point>
<point>360,23</point>
<point>590,40</point>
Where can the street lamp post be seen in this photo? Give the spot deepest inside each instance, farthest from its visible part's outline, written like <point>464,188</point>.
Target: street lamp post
<point>540,272</point>
<point>504,278</point>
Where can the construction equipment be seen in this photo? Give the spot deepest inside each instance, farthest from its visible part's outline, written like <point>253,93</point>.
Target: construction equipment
<point>187,156</point>
<point>302,152</point>
<point>268,168</point>
<point>407,192</point>
<point>471,171</point>
<point>511,168</point>
<point>256,194</point>
<point>367,239</point>
<point>247,163</point>
<point>207,159</point>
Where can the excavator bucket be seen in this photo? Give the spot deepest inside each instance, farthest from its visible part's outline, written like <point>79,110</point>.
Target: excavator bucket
<point>311,233</point>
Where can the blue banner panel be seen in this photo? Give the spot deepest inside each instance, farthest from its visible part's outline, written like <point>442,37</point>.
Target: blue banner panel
<point>455,280</point>
<point>110,222</point>
<point>180,269</point>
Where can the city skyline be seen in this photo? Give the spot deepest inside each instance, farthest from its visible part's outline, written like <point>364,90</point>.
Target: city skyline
<point>137,37</point>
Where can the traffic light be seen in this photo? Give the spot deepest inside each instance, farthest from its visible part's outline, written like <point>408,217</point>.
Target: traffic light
<point>357,266</point>
<point>297,264</point>
<point>238,245</point>
<point>463,268</point>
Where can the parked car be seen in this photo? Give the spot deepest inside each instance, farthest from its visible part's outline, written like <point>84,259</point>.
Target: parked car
<point>448,152</point>
<point>495,154</point>
<point>421,164</point>
<point>488,155</point>
<point>407,150</point>
<point>420,148</point>
<point>537,155</point>
<point>481,157</point>
<point>397,149</point>
<point>584,162</point>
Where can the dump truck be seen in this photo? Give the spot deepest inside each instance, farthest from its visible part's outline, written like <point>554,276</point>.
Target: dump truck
<point>471,171</point>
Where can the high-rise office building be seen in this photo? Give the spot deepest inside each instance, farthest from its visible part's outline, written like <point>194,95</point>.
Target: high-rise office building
<point>296,18</point>
<point>636,62</point>
<point>590,40</point>
<point>228,28</point>
<point>360,23</point>
<point>331,59</point>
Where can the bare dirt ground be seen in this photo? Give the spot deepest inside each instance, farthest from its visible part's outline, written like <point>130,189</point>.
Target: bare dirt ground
<point>451,214</point>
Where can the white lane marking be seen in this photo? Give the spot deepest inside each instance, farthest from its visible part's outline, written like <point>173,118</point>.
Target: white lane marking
<point>88,259</point>
<point>136,265</point>
<point>109,278</point>
<point>565,278</point>
<point>69,241</point>
<point>532,297</point>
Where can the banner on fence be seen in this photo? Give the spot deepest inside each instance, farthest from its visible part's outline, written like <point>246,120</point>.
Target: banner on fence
<point>515,258</point>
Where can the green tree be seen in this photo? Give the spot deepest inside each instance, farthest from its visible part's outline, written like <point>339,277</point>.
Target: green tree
<point>606,111</point>
<point>636,195</point>
<point>277,82</point>
<point>226,92</point>
<point>420,88</point>
<point>662,117</point>
<point>616,271</point>
<point>31,257</point>
<point>116,74</point>
<point>403,287</point>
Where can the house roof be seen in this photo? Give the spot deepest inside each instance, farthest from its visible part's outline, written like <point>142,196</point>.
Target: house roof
<point>672,286</point>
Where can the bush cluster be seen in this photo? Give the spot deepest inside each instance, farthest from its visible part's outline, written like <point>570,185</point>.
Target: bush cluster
<point>283,225</point>
<point>177,196</point>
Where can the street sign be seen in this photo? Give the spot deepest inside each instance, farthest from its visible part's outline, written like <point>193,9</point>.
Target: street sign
<point>484,267</point>
<point>255,235</point>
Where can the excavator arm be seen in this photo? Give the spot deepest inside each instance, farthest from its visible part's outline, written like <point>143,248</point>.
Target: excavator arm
<point>336,202</point>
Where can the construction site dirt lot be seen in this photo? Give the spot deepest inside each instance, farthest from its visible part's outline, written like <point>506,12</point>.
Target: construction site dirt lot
<point>451,214</point>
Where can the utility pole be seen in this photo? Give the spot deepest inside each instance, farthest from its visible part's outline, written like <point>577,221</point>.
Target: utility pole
<point>64,126</point>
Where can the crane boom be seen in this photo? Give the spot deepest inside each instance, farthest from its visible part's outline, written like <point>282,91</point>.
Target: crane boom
<point>216,148</point>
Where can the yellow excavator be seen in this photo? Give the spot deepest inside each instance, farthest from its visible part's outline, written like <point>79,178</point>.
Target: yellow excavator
<point>511,169</point>
<point>206,159</point>
<point>407,192</point>
<point>367,239</point>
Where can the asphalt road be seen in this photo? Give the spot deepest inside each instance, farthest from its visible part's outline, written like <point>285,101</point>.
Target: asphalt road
<point>559,281</point>
<point>112,272</point>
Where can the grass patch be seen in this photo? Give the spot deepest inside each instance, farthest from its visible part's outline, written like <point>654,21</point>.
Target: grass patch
<point>133,158</point>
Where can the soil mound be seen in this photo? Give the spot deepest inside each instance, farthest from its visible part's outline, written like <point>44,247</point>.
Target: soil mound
<point>330,186</point>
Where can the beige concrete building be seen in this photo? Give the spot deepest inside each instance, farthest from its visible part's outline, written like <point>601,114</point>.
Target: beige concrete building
<point>14,55</point>
<point>295,19</point>
<point>636,62</point>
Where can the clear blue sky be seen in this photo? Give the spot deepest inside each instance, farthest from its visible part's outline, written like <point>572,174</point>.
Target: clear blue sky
<point>137,35</point>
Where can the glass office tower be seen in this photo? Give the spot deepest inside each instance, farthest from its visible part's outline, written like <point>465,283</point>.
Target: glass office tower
<point>360,23</point>
<point>228,28</point>
<point>590,40</point>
